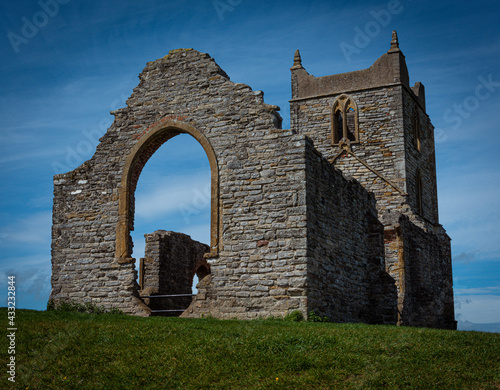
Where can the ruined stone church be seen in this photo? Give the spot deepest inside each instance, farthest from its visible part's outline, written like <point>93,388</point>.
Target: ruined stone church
<point>338,214</point>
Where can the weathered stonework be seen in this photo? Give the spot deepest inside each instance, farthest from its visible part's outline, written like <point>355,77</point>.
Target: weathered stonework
<point>337,214</point>
<point>171,261</point>
<point>392,152</point>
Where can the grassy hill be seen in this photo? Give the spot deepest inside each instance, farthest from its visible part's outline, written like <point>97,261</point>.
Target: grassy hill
<point>59,350</point>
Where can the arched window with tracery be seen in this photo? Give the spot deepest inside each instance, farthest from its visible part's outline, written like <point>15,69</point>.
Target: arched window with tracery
<point>344,120</point>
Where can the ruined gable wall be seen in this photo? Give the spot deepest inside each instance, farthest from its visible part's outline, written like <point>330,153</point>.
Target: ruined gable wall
<point>261,190</point>
<point>346,273</point>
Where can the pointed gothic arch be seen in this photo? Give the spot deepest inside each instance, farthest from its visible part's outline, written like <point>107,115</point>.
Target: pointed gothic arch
<point>344,120</point>
<point>137,158</point>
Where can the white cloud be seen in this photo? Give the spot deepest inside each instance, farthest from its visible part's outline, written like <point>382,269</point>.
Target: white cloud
<point>30,156</point>
<point>478,198</point>
<point>32,277</point>
<point>32,230</point>
<point>477,308</point>
<point>477,291</point>
<point>186,194</point>
<point>469,209</point>
<point>177,202</point>
<point>139,246</point>
<point>466,257</point>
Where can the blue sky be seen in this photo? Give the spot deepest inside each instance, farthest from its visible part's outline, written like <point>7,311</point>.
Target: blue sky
<point>67,63</point>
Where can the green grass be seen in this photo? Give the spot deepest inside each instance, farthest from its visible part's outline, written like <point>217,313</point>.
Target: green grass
<point>60,350</point>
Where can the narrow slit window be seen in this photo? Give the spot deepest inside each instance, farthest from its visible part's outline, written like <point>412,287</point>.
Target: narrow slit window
<point>416,128</point>
<point>420,201</point>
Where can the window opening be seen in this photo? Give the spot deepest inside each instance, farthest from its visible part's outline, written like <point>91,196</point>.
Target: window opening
<point>173,194</point>
<point>350,124</point>
<point>344,121</point>
<point>416,128</point>
<point>420,205</point>
<point>339,126</point>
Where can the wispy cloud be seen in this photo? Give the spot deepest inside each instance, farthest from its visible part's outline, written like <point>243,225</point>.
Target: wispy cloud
<point>31,230</point>
<point>32,276</point>
<point>478,308</point>
<point>30,157</point>
<point>492,290</point>
<point>466,257</point>
<point>170,194</point>
<point>469,207</point>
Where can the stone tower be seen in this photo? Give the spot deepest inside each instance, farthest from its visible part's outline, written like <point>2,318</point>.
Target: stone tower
<point>373,126</point>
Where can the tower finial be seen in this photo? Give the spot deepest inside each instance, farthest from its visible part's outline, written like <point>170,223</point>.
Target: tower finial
<point>394,42</point>
<point>297,61</point>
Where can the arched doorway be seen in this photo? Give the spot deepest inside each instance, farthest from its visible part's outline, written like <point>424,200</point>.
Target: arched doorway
<point>137,158</point>
<point>146,146</point>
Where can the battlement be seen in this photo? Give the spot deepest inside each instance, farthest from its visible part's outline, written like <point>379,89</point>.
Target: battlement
<point>388,70</point>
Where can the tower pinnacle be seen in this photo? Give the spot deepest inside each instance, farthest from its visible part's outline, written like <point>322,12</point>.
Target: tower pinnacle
<point>297,61</point>
<point>394,42</point>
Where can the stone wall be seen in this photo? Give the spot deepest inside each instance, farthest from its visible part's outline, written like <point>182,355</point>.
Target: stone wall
<point>377,161</point>
<point>170,263</point>
<point>381,145</point>
<point>258,193</point>
<point>85,215</point>
<point>347,280</point>
<point>262,269</point>
<point>421,159</point>
<point>428,293</point>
